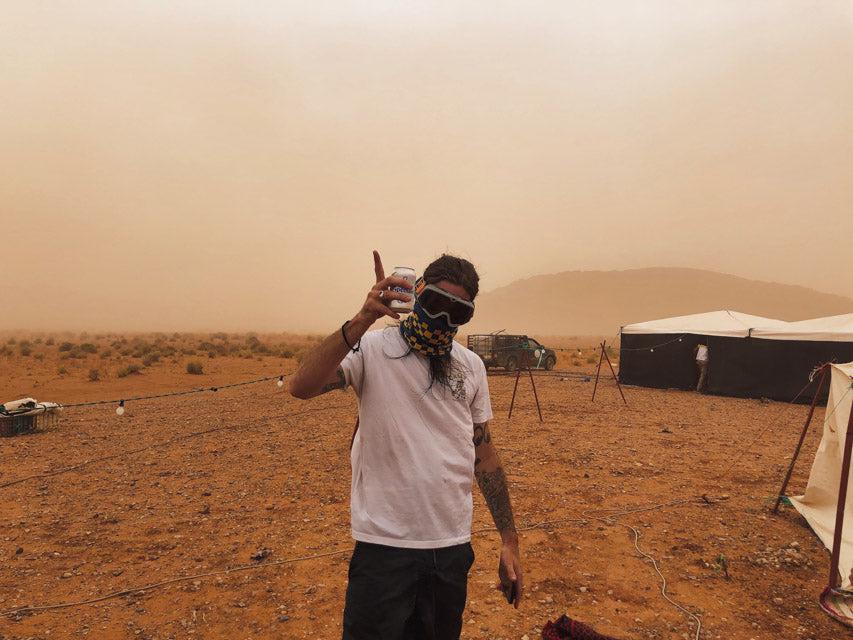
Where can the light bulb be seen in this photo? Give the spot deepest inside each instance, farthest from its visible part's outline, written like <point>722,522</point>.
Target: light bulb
<point>120,409</point>
<point>652,350</point>
<point>280,382</point>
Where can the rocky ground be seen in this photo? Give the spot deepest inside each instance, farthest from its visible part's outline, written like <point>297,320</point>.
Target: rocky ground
<point>178,491</point>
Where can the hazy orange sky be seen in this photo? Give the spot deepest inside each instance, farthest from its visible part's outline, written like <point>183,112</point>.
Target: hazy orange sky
<point>230,165</point>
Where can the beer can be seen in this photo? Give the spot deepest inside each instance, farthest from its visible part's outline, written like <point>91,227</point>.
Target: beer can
<point>408,274</point>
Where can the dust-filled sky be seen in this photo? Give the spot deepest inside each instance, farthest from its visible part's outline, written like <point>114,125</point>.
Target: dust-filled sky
<point>230,165</point>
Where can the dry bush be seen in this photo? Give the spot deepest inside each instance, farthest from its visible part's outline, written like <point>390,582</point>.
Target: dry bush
<point>150,359</point>
<point>130,369</point>
<point>195,368</point>
<point>94,375</point>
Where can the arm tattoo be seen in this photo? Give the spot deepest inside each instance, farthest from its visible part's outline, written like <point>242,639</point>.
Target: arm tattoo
<point>493,486</point>
<point>482,434</point>
<point>340,383</point>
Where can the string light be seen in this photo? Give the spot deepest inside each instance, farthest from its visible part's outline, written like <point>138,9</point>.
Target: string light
<point>170,394</point>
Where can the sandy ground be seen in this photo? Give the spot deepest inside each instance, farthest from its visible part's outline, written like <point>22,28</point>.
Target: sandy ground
<point>197,485</point>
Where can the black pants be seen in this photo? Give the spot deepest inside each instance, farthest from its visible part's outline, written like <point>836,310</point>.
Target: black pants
<point>406,594</point>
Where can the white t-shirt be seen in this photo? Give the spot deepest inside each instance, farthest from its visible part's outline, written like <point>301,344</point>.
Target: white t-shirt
<point>702,353</point>
<point>413,455</point>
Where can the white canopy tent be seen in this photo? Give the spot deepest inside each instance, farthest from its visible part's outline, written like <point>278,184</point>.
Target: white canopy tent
<point>723,323</point>
<point>819,503</point>
<point>829,329</point>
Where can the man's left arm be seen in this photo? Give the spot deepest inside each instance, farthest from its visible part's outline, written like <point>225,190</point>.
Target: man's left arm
<point>492,480</point>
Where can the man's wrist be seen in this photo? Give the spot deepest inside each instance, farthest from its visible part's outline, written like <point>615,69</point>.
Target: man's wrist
<point>510,537</point>
<point>358,326</point>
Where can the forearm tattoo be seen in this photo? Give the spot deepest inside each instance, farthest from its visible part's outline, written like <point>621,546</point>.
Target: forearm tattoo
<point>482,434</point>
<point>340,383</point>
<point>496,493</point>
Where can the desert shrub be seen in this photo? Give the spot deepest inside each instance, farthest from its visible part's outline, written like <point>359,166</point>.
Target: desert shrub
<point>37,340</point>
<point>5,351</point>
<point>88,347</point>
<point>11,341</point>
<point>125,352</point>
<point>62,371</point>
<point>129,370</point>
<point>106,353</point>
<point>94,375</point>
<point>576,363</point>
<point>39,356</point>
<point>66,346</point>
<point>195,368</point>
<point>150,359</point>
<point>188,352</point>
<point>24,348</point>
<point>141,348</point>
<point>49,342</point>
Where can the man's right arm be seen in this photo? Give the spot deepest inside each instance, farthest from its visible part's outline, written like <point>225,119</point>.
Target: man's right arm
<point>320,372</point>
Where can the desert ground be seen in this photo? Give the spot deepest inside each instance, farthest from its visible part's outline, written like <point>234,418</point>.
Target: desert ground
<point>160,503</point>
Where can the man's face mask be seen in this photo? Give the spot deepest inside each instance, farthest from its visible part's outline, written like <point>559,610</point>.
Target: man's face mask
<point>434,320</point>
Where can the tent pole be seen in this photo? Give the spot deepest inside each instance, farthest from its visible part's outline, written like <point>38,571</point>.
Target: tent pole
<point>598,371</point>
<point>823,373</point>
<point>835,558</point>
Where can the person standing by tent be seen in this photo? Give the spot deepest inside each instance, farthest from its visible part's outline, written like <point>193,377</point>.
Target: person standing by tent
<point>701,353</point>
<point>422,435</point>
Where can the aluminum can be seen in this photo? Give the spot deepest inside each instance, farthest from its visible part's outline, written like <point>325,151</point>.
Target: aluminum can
<point>408,274</point>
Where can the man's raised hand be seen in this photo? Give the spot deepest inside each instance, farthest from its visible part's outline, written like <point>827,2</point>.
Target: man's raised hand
<point>376,304</point>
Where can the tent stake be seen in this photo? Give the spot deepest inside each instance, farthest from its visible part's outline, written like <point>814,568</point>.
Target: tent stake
<point>835,558</point>
<point>823,373</point>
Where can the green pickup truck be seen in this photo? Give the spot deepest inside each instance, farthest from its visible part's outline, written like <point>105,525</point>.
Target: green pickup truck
<point>511,351</point>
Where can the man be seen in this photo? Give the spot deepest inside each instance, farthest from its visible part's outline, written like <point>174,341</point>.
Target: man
<point>701,352</point>
<point>422,433</point>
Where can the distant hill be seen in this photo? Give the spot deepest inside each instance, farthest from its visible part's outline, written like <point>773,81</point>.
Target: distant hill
<point>599,302</point>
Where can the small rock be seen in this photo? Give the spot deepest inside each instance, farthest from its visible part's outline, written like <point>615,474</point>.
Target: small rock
<point>19,551</point>
<point>67,574</point>
<point>260,554</point>
<point>584,589</point>
<point>283,618</point>
<point>778,601</point>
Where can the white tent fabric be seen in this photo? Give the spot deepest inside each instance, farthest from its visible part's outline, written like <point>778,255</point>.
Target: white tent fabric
<point>820,501</point>
<point>714,323</point>
<point>829,329</point>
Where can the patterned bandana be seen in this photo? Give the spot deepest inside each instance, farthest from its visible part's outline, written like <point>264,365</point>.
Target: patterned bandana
<point>429,336</point>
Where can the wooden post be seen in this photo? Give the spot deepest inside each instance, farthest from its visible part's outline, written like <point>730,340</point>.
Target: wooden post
<point>535,395</point>
<point>514,389</point>
<point>598,371</point>
<point>835,558</point>
<point>615,377</point>
<point>824,371</point>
